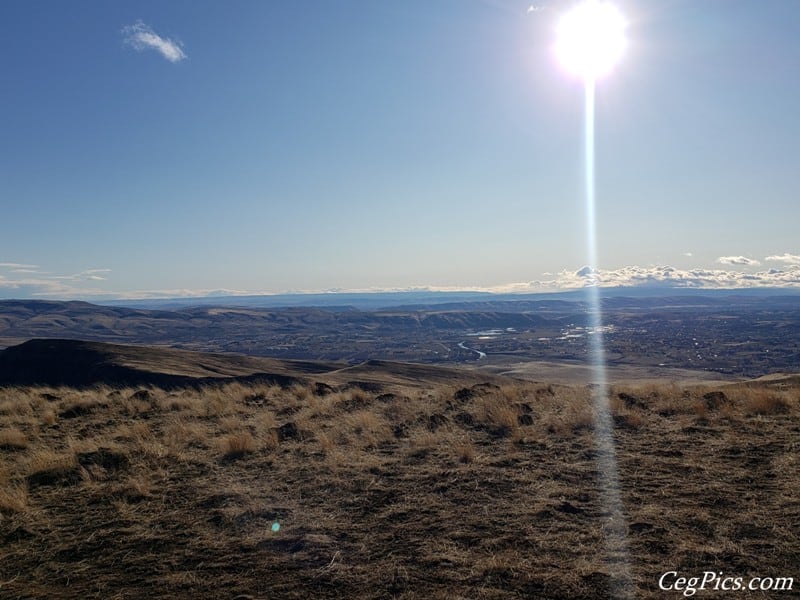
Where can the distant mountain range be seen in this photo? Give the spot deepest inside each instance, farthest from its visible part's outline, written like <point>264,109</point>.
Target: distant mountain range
<point>422,298</point>
<point>228,323</point>
<point>747,332</point>
<point>23,319</point>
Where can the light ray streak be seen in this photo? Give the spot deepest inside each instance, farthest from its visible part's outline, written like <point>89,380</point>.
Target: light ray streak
<point>615,527</point>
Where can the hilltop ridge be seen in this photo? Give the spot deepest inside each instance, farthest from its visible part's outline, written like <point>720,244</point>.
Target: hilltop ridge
<point>76,363</point>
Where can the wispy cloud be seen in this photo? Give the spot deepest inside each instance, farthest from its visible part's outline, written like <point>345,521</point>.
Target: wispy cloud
<point>86,275</point>
<point>737,260</point>
<point>39,287</point>
<point>789,259</point>
<point>93,274</point>
<point>186,293</point>
<point>141,36</point>
<point>23,282</point>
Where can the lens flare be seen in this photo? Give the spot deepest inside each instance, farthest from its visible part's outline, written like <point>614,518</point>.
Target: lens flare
<point>590,39</point>
<point>616,528</point>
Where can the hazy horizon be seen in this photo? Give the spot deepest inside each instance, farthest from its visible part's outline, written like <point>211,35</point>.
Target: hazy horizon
<point>188,149</point>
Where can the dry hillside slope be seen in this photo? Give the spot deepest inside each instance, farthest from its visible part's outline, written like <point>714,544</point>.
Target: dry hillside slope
<point>471,491</point>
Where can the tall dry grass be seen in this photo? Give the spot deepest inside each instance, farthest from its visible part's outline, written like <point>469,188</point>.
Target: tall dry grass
<point>13,439</point>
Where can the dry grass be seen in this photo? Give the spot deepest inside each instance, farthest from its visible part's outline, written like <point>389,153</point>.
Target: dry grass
<point>497,412</point>
<point>184,433</point>
<point>367,428</point>
<point>465,452</point>
<point>326,442</point>
<point>441,493</point>
<point>236,445</point>
<point>48,467</point>
<point>12,439</point>
<point>48,417</point>
<point>20,402</point>
<point>765,403</point>
<point>13,499</point>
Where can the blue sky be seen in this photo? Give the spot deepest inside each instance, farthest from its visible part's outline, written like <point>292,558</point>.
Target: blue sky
<point>181,148</point>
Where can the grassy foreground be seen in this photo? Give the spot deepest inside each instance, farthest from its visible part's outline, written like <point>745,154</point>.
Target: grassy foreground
<point>311,492</point>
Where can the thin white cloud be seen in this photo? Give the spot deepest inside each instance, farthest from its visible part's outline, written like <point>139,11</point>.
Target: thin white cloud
<point>86,275</point>
<point>13,265</point>
<point>32,287</point>
<point>185,293</point>
<point>789,259</point>
<point>34,283</point>
<point>737,260</point>
<point>140,36</point>
<point>93,274</point>
<point>687,254</point>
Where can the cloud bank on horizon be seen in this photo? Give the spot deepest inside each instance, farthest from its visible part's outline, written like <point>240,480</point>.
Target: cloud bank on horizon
<point>141,36</point>
<point>19,280</point>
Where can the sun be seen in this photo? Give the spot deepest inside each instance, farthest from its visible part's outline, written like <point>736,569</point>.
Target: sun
<point>591,39</point>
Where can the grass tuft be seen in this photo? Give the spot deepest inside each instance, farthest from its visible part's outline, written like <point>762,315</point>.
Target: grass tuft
<point>239,444</point>
<point>766,404</point>
<point>13,439</point>
<point>13,499</point>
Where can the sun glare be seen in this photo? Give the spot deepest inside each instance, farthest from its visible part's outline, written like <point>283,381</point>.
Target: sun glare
<point>591,39</point>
